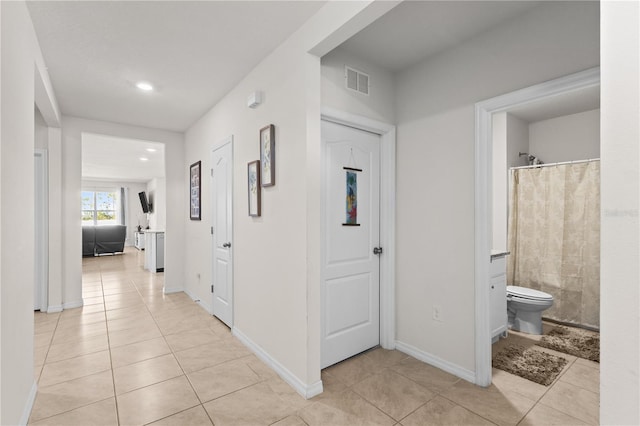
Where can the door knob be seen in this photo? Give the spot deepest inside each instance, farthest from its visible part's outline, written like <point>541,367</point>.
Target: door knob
<point>377,250</point>
<point>226,245</point>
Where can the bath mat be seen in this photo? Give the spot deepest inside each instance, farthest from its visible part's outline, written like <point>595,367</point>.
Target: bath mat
<point>529,363</point>
<point>577,342</point>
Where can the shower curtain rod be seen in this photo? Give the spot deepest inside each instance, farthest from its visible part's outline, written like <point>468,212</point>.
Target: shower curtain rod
<point>555,164</point>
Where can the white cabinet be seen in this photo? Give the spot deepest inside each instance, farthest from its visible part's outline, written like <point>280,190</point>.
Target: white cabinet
<point>139,240</point>
<point>498,298</point>
<point>154,251</point>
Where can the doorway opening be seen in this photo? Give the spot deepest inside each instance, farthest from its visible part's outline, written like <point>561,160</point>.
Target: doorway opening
<point>488,229</point>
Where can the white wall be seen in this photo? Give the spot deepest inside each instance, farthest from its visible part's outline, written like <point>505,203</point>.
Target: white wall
<point>518,141</point>
<point>41,131</point>
<point>19,54</point>
<point>620,235</point>
<point>566,138</point>
<point>276,256</point>
<point>72,129</point>
<point>510,137</point>
<point>378,105</point>
<point>499,180</point>
<point>435,222</point>
<point>156,193</point>
<point>133,206</point>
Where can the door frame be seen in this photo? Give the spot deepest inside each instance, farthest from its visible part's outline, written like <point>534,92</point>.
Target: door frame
<point>222,144</point>
<point>483,195</point>
<point>387,133</point>
<point>41,165</point>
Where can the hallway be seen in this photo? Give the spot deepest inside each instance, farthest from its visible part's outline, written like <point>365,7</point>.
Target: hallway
<point>134,356</point>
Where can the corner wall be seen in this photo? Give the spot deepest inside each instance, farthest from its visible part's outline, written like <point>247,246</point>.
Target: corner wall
<point>18,54</point>
<point>566,138</point>
<point>436,124</point>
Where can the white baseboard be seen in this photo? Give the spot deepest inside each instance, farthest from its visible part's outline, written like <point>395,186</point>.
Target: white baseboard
<point>29,404</point>
<point>172,290</point>
<point>74,304</point>
<point>202,304</point>
<point>307,391</point>
<point>440,363</point>
<point>54,309</point>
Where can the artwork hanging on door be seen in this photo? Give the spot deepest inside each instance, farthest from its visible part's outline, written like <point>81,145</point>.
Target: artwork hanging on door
<point>351,197</point>
<point>268,155</point>
<point>253,187</point>
<point>194,190</point>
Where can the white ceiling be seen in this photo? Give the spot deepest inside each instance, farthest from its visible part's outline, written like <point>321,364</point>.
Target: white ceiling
<point>415,30</point>
<point>193,52</point>
<point>106,158</point>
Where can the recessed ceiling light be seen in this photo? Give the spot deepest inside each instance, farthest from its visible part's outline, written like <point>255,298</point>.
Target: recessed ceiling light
<point>143,85</point>
<point>151,150</point>
<point>144,159</point>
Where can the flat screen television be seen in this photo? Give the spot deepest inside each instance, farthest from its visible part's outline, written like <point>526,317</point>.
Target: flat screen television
<point>146,207</point>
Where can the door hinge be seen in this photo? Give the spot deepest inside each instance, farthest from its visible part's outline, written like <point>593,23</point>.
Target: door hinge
<point>212,230</point>
<point>211,288</point>
<point>211,172</point>
<point>377,250</point>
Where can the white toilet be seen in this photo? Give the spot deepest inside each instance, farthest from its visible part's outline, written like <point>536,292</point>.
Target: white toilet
<point>524,308</point>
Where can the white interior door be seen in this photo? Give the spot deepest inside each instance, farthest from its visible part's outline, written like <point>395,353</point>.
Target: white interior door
<point>351,271</point>
<point>222,211</point>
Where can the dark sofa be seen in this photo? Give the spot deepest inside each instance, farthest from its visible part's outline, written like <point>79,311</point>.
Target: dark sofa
<point>103,239</point>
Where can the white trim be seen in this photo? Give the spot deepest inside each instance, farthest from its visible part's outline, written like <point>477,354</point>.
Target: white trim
<point>387,134</point>
<point>483,214</point>
<point>54,309</point>
<point>202,304</point>
<point>172,290</point>
<point>307,391</point>
<point>26,412</point>
<point>440,363</point>
<point>42,240</point>
<point>74,304</point>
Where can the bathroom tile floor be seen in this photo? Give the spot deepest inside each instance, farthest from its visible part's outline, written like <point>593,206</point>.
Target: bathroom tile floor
<point>132,355</point>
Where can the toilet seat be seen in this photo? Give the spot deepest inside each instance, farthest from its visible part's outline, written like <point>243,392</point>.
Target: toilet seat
<point>528,293</point>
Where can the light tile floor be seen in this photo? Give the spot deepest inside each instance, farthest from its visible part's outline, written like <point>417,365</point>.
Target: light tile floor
<point>134,356</point>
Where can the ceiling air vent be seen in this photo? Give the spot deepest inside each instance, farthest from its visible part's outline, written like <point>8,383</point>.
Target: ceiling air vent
<point>356,80</point>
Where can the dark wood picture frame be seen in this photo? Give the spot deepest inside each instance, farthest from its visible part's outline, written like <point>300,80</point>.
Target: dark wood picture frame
<point>268,155</point>
<point>253,187</point>
<point>195,190</point>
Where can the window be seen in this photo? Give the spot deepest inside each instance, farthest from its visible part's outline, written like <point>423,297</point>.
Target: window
<point>99,208</point>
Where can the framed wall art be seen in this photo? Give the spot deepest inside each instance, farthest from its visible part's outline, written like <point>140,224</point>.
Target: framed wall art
<point>253,187</point>
<point>195,191</point>
<point>268,155</point>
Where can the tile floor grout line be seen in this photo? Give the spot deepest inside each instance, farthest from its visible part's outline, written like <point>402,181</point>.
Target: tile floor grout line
<point>468,409</point>
<point>113,376</point>
<point>173,354</point>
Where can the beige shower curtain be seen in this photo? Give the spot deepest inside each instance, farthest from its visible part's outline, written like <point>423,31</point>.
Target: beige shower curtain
<point>554,237</point>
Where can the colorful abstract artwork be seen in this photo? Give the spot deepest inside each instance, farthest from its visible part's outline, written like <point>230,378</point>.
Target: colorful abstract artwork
<point>352,198</point>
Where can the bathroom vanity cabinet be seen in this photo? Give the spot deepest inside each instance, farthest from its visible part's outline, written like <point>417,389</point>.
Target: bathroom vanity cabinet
<point>498,298</point>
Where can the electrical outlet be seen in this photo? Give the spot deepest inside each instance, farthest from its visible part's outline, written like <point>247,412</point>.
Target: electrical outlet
<point>437,313</point>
